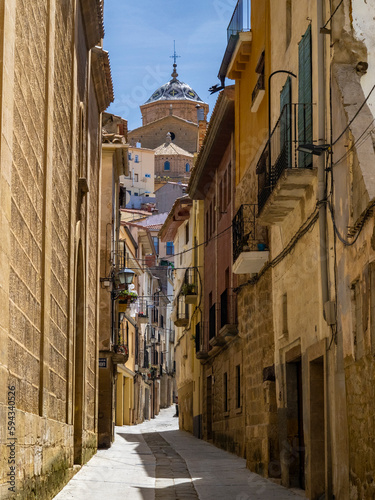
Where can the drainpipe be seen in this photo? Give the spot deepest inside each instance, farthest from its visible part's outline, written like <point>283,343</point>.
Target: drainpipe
<point>322,184</point>
<point>323,247</point>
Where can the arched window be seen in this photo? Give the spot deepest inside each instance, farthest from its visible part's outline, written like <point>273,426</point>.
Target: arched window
<point>167,165</point>
<point>187,167</point>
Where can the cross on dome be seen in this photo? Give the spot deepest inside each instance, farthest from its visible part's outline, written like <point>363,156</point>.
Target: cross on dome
<point>174,57</point>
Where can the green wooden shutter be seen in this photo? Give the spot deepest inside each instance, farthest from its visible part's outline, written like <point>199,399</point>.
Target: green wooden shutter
<point>285,123</point>
<point>305,124</point>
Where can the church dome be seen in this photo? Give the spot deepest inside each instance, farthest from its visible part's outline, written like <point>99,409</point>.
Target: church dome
<point>174,90</point>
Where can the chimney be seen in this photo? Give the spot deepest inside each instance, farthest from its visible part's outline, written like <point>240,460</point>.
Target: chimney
<point>202,125</point>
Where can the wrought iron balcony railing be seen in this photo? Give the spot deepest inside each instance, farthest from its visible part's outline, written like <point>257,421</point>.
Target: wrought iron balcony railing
<point>143,310</point>
<point>201,342</point>
<point>189,287</point>
<point>293,127</point>
<point>247,236</point>
<point>240,20</point>
<point>182,312</point>
<point>258,87</point>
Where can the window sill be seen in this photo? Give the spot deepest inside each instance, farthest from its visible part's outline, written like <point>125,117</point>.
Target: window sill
<point>238,411</point>
<point>226,414</point>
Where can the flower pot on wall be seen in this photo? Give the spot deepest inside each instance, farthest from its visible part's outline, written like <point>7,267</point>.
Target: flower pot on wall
<point>191,299</point>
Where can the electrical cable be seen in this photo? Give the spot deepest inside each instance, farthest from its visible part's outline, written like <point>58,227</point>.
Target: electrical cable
<point>203,243</point>
<point>354,117</point>
<point>304,228</point>
<point>333,13</point>
<point>346,154</point>
<point>359,229</point>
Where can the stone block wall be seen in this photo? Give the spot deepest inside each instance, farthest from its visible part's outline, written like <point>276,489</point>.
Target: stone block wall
<point>255,322</point>
<point>154,134</point>
<point>183,109</point>
<point>228,420</point>
<point>45,219</point>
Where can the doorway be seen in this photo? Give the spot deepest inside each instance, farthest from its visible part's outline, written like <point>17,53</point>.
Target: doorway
<point>295,432</point>
<point>317,428</point>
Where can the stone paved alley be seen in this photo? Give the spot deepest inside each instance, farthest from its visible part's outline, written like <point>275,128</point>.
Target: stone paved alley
<point>155,460</point>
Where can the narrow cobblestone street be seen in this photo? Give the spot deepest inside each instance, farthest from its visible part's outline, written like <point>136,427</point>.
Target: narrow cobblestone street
<point>155,460</point>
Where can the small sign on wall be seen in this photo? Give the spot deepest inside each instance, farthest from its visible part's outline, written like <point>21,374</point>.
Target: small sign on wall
<point>102,362</point>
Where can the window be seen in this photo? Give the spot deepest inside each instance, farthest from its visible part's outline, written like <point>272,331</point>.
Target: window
<point>225,386</point>
<point>156,243</point>
<point>129,156</point>
<point>173,135</point>
<point>305,98</point>
<point>212,321</point>
<point>286,121</point>
<point>187,233</point>
<point>167,165</point>
<point>187,167</point>
<point>136,194</point>
<point>136,159</point>
<point>136,177</point>
<point>170,248</point>
<point>225,193</point>
<point>238,386</point>
<point>258,91</point>
<point>197,337</point>
<point>224,308</point>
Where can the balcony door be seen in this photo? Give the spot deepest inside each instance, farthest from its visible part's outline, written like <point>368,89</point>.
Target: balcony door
<point>305,122</point>
<point>286,124</point>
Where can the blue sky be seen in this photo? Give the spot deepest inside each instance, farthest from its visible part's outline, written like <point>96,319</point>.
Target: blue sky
<point>139,36</point>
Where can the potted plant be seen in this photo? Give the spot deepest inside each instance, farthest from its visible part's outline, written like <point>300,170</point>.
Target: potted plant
<point>127,297</point>
<point>190,292</point>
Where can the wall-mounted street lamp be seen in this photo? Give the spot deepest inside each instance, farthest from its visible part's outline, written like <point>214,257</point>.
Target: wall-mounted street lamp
<point>314,149</point>
<point>124,276</point>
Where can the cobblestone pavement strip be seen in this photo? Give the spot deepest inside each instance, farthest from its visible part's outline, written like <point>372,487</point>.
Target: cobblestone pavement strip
<point>156,461</point>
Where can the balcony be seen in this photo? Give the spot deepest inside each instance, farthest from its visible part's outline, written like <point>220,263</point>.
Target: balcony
<point>284,173</point>
<point>240,24</point>
<point>228,315</point>
<point>189,288</point>
<point>181,316</point>
<point>143,311</point>
<point>201,348</point>
<point>120,355</point>
<point>240,21</point>
<point>258,93</point>
<point>249,242</point>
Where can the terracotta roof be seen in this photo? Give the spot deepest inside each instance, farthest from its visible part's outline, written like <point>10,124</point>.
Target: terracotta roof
<point>102,77</point>
<point>163,118</point>
<point>154,220</point>
<point>170,149</point>
<point>179,213</point>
